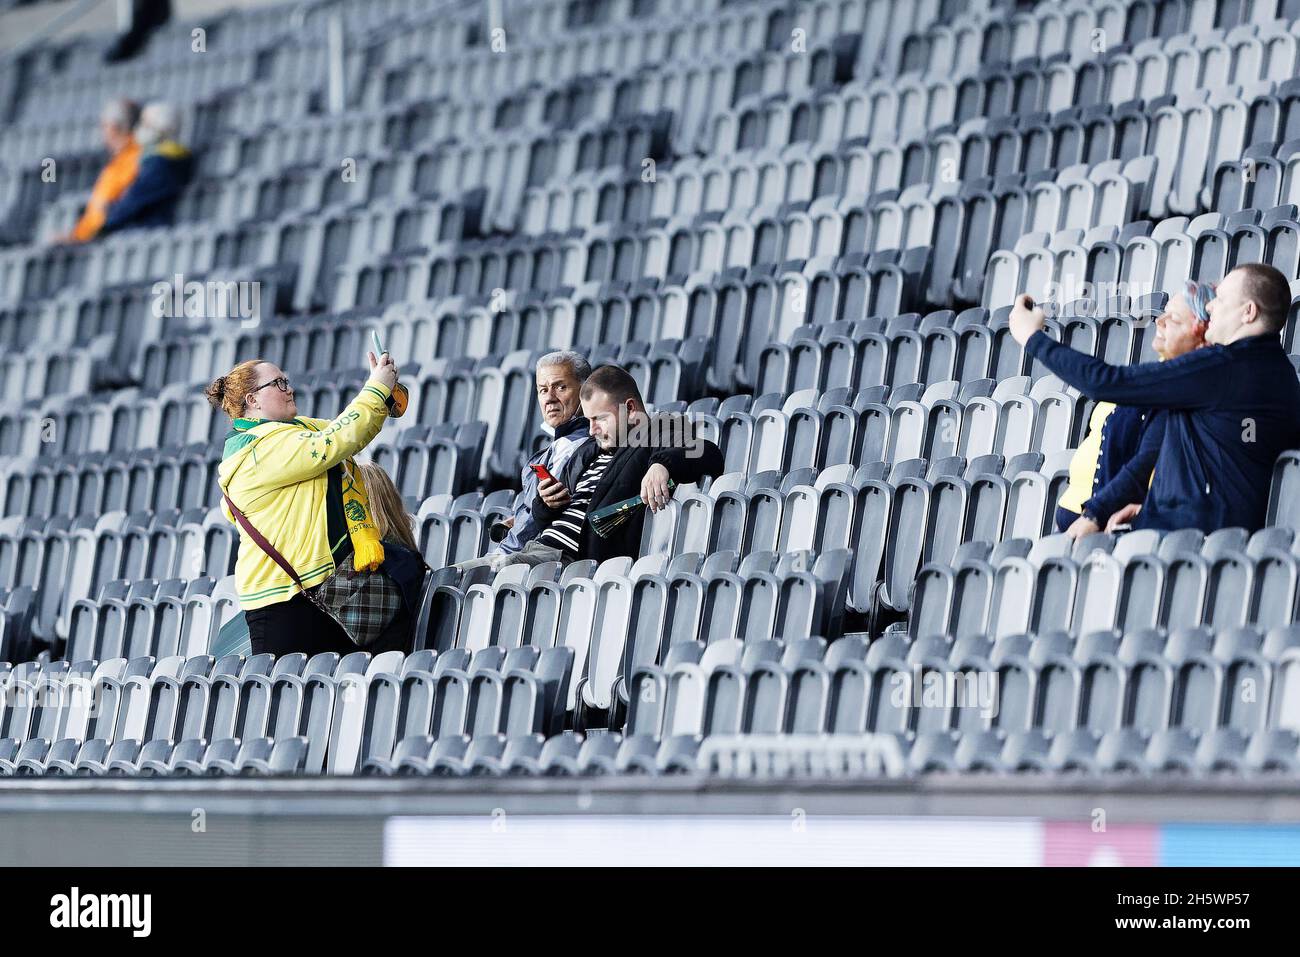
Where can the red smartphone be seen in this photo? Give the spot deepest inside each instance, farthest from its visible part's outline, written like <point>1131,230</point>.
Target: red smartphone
<point>543,473</point>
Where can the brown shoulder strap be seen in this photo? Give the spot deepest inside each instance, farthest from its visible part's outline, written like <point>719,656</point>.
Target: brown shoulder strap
<point>260,540</point>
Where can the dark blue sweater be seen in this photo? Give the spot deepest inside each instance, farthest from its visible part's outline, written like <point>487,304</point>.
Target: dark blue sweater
<point>1231,410</point>
<point>150,200</point>
<point>1130,443</point>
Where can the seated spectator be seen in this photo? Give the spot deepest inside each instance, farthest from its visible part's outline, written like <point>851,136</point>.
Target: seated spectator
<point>1230,408</point>
<point>165,169</point>
<point>293,479</point>
<point>560,376</point>
<point>402,560</point>
<point>623,461</point>
<point>1111,469</point>
<point>116,125</point>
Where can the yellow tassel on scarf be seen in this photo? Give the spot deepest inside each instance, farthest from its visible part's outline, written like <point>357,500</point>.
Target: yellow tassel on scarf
<point>367,549</point>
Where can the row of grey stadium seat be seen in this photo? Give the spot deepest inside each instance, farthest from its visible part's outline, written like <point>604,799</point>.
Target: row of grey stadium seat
<point>1022,586</point>
<point>918,514</point>
<point>1227,150</point>
<point>1212,701</point>
<point>897,448</point>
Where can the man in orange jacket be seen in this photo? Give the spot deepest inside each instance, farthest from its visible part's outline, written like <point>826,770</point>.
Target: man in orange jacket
<point>115,124</point>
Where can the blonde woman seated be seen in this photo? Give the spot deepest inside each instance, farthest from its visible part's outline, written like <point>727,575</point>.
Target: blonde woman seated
<point>402,559</point>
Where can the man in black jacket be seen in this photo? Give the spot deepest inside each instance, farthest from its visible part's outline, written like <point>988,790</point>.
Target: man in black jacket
<point>629,457</point>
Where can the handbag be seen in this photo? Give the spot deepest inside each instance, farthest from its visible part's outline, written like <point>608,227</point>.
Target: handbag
<point>363,604</point>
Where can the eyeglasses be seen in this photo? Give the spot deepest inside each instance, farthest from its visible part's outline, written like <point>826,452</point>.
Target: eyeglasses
<point>281,383</point>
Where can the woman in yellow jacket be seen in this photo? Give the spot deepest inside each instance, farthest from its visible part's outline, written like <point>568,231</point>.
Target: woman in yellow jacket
<point>294,479</point>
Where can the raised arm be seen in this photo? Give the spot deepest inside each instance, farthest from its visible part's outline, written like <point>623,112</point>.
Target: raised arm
<point>297,451</point>
<point>1183,383</point>
<point>298,454</point>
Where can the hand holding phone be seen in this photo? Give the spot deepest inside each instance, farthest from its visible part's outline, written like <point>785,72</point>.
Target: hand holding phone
<point>1025,319</point>
<point>382,369</point>
<point>400,397</point>
<point>550,491</point>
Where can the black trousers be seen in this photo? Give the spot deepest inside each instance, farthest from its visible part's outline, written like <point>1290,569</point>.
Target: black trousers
<point>295,625</point>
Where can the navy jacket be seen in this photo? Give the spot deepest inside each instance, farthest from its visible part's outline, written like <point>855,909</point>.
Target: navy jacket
<point>1230,411</point>
<point>150,200</point>
<point>1130,443</point>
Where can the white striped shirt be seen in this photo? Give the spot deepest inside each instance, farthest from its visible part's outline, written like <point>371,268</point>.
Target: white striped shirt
<point>565,531</point>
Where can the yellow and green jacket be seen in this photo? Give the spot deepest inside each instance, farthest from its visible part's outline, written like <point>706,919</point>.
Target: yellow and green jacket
<point>276,473</point>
